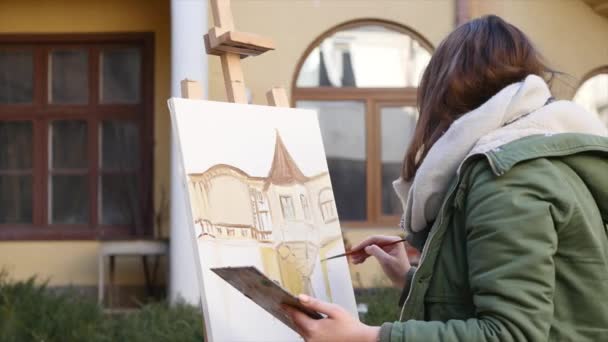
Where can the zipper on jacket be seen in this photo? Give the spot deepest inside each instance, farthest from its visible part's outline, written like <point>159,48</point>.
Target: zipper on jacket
<point>426,247</point>
<point>429,240</point>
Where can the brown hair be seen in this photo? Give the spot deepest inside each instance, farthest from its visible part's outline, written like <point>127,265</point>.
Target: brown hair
<point>472,64</point>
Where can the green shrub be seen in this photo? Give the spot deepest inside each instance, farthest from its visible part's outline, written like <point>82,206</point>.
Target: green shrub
<point>29,311</point>
<point>156,322</point>
<point>382,305</point>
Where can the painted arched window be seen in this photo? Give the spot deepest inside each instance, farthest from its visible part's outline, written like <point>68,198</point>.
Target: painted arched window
<point>261,210</point>
<point>327,205</point>
<point>362,78</point>
<point>593,93</point>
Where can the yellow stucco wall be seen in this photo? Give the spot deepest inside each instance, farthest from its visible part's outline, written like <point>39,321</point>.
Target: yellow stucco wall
<point>74,262</point>
<point>294,24</point>
<point>571,36</point>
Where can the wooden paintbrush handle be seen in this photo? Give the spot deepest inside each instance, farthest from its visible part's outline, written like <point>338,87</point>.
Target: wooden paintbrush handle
<point>359,250</point>
<point>380,245</point>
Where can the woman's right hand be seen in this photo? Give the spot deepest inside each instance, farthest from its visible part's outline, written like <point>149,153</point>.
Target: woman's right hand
<point>393,258</point>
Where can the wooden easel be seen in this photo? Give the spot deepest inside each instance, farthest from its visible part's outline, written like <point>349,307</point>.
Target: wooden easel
<point>232,46</point>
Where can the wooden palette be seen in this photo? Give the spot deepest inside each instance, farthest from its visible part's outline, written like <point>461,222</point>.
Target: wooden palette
<point>254,285</point>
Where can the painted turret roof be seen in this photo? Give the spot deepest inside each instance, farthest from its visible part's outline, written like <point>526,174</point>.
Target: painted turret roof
<point>284,169</point>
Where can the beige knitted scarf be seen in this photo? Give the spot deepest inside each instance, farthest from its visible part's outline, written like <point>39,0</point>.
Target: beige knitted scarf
<point>517,111</point>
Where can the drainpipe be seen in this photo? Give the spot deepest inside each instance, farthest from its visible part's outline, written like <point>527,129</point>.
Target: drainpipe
<point>188,60</point>
<point>462,12</point>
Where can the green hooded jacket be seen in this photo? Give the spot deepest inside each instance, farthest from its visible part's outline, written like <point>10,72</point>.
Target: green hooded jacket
<point>519,250</point>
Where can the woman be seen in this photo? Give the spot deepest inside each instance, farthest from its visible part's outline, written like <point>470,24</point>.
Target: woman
<point>505,193</point>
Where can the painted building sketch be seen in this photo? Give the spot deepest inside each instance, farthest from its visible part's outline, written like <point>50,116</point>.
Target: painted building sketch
<point>260,195</point>
<point>284,213</point>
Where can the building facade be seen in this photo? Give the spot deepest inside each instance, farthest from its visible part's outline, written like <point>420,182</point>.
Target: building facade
<point>85,138</point>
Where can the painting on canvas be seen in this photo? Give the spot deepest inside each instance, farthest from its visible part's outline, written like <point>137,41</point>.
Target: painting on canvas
<point>259,195</point>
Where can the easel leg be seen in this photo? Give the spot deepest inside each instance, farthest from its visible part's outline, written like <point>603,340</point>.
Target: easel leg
<point>233,78</point>
<point>101,280</point>
<point>144,260</point>
<point>111,285</point>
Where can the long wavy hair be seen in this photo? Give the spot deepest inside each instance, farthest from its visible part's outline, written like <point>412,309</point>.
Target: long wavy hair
<point>473,63</point>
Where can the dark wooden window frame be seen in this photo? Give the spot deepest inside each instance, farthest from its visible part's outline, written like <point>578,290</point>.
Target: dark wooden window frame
<point>41,113</point>
<point>373,99</point>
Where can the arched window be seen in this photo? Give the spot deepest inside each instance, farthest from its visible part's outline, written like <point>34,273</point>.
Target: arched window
<point>362,78</point>
<point>593,93</point>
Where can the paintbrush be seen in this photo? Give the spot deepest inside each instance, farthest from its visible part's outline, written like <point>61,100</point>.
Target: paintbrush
<point>359,250</point>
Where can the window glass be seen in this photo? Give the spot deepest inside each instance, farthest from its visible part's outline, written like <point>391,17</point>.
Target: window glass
<point>16,145</point>
<point>16,172</point>
<point>69,144</point>
<point>119,160</point>
<point>120,203</point>
<point>593,95</point>
<point>343,130</point>
<point>398,124</point>
<point>369,56</point>
<point>119,145</point>
<point>68,183</point>
<point>16,76</point>
<point>69,199</point>
<point>69,76</point>
<point>120,75</point>
<point>15,198</point>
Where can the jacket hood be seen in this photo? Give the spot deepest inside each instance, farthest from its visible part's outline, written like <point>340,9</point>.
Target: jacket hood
<point>585,154</point>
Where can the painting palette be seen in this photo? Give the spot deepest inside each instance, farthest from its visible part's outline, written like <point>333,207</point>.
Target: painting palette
<point>254,285</point>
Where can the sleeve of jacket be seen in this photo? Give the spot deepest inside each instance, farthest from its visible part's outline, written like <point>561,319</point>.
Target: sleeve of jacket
<point>511,241</point>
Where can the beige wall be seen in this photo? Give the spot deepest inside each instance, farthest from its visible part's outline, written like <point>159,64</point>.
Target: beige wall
<point>294,24</point>
<point>571,36</point>
<point>75,261</point>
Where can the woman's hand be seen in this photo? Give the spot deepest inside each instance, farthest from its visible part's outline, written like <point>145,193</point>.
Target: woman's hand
<point>393,258</point>
<point>339,326</point>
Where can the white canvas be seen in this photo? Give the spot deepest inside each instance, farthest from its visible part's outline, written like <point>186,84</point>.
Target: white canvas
<point>259,194</point>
